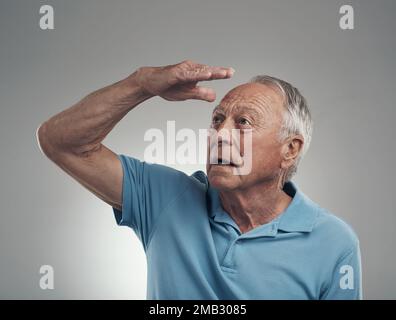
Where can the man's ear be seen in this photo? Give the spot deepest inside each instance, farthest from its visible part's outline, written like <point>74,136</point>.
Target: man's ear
<point>291,149</point>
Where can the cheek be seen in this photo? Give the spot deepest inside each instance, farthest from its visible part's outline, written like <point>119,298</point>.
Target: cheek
<point>266,156</point>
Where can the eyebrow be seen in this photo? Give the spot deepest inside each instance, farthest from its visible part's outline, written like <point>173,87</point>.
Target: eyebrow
<point>240,108</point>
<point>217,108</point>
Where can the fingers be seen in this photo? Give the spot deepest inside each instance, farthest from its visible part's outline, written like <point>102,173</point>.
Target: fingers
<point>189,71</point>
<point>221,73</point>
<point>202,93</point>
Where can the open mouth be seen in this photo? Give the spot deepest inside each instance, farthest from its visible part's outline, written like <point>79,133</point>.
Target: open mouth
<point>225,162</point>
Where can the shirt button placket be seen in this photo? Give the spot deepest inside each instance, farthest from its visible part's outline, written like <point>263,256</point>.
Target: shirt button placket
<point>229,261</point>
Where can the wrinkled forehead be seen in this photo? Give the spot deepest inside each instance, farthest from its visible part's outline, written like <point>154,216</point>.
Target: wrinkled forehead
<point>252,96</point>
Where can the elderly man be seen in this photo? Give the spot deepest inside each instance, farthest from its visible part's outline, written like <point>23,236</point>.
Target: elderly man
<point>218,235</point>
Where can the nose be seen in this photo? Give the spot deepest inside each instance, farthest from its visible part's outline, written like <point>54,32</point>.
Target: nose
<point>224,132</point>
<point>224,143</point>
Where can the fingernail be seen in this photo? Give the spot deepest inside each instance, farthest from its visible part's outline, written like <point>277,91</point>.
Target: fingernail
<point>231,71</point>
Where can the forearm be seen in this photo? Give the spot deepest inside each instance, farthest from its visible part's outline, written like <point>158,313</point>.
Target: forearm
<point>81,128</point>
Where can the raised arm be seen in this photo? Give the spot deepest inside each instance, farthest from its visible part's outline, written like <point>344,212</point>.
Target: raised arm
<point>73,138</point>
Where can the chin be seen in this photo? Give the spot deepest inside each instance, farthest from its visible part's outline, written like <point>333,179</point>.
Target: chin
<point>223,181</point>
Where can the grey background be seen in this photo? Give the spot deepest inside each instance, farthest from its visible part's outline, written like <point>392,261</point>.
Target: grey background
<point>348,78</point>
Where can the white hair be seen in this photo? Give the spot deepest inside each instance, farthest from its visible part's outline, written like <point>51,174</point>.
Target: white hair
<point>297,118</point>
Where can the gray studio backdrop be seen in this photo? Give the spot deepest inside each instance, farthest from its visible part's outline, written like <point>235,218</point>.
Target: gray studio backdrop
<point>348,77</point>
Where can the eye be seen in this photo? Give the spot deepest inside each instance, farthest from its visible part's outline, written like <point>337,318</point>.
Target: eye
<point>243,122</point>
<point>216,120</point>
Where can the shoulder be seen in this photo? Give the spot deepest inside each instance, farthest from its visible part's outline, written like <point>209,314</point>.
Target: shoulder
<point>159,178</point>
<point>330,223</point>
<point>330,233</point>
<point>328,226</point>
<point>335,235</point>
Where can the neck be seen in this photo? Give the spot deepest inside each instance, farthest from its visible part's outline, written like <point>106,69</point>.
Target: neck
<point>255,205</point>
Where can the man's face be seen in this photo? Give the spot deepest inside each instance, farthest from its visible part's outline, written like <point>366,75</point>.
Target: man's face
<point>253,106</point>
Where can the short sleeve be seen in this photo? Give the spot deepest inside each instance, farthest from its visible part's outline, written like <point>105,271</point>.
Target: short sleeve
<point>346,281</point>
<point>147,190</point>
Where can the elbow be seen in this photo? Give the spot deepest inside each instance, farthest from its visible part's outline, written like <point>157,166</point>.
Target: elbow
<point>52,146</point>
<point>43,141</point>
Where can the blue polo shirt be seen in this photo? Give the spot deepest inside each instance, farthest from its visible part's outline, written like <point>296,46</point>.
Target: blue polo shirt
<point>195,250</point>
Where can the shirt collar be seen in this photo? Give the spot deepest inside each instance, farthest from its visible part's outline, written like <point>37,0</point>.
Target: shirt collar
<point>299,216</point>
<point>302,212</point>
